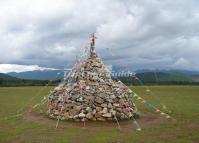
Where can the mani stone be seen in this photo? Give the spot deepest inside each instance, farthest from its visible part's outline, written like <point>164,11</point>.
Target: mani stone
<point>89,93</point>
<point>89,116</point>
<point>99,100</point>
<point>107,115</point>
<point>82,115</point>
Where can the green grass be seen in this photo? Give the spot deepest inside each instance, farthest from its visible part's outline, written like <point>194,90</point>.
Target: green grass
<point>183,101</point>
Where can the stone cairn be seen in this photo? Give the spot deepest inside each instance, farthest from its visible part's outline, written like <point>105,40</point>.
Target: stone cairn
<point>89,93</point>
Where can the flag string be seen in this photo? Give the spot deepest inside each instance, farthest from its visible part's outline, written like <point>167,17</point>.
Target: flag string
<point>147,89</point>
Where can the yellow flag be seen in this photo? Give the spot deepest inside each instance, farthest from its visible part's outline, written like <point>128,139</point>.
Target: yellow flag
<point>162,113</point>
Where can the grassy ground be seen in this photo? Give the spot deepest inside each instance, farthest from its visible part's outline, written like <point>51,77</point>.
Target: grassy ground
<point>182,100</point>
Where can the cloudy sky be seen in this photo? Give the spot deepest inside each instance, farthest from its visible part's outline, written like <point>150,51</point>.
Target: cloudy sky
<point>138,34</point>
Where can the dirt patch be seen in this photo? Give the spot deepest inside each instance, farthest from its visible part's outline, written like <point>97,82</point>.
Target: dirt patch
<point>146,120</point>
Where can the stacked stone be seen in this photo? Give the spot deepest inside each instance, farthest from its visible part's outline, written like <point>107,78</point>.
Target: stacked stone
<point>91,94</point>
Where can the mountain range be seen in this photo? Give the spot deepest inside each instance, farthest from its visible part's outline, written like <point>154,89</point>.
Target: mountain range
<point>7,77</point>
<point>39,74</point>
<point>145,75</point>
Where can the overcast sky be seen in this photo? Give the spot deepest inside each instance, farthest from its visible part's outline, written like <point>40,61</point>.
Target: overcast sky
<point>154,34</point>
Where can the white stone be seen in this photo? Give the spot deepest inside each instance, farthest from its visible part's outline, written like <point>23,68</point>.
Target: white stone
<point>82,115</point>
<point>108,115</point>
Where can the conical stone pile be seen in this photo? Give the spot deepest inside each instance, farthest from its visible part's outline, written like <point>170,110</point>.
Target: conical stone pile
<point>91,94</point>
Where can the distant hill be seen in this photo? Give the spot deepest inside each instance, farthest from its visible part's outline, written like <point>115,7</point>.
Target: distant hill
<point>7,80</point>
<point>161,76</point>
<point>7,77</point>
<point>188,74</point>
<point>39,75</point>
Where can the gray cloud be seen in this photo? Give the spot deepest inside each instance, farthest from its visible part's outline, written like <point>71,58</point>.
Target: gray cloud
<point>135,33</point>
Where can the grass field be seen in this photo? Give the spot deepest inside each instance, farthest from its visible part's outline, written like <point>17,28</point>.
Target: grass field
<point>183,101</point>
